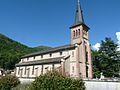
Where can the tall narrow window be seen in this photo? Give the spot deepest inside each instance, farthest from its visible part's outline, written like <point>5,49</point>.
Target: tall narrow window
<point>76,33</point>
<point>53,67</point>
<point>41,56</point>
<point>73,69</point>
<point>42,70</point>
<point>36,69</point>
<point>86,56</point>
<point>73,34</point>
<point>50,54</point>
<point>19,71</point>
<point>34,57</point>
<point>28,72</point>
<point>79,31</point>
<point>27,58</point>
<point>60,53</point>
<point>72,53</point>
<point>86,71</point>
<point>25,71</point>
<point>33,70</point>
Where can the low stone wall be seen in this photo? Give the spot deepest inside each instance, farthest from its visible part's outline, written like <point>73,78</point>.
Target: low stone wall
<point>26,80</point>
<point>102,85</point>
<point>90,84</point>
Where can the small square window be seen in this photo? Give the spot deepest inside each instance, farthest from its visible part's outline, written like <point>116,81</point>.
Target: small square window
<point>41,56</point>
<point>34,57</point>
<point>61,53</point>
<point>28,58</point>
<point>50,55</point>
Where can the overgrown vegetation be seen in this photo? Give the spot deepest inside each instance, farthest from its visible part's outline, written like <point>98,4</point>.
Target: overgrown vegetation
<point>8,82</point>
<point>53,81</point>
<point>56,81</point>
<point>107,59</point>
<point>22,87</point>
<point>11,51</point>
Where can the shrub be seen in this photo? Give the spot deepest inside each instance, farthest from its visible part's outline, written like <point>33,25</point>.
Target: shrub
<point>56,81</point>
<point>8,82</point>
<point>22,87</point>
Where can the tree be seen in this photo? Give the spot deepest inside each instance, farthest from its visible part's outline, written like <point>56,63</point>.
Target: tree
<point>56,81</point>
<point>96,64</point>
<point>8,82</point>
<point>107,59</point>
<point>11,52</point>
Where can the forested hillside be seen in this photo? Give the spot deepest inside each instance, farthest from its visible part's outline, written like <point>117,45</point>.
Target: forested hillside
<point>11,51</point>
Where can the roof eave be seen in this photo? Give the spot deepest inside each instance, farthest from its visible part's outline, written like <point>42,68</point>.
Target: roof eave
<point>76,25</point>
<point>51,51</point>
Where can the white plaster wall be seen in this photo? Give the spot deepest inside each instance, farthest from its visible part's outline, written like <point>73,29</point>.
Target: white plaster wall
<point>25,80</point>
<point>70,61</point>
<point>57,65</point>
<point>38,57</point>
<point>23,60</point>
<point>94,85</point>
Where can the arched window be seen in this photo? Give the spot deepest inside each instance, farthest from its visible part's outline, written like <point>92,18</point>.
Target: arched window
<point>79,31</point>
<point>73,34</point>
<point>76,33</point>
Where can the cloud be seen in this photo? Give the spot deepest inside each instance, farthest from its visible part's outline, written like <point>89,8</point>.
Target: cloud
<point>96,46</point>
<point>118,38</point>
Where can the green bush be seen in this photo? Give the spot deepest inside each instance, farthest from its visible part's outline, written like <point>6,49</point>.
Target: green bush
<point>55,81</point>
<point>22,87</point>
<point>8,82</point>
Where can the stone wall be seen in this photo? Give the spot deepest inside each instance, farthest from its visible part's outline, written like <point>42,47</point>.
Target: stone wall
<point>90,85</point>
<point>102,85</point>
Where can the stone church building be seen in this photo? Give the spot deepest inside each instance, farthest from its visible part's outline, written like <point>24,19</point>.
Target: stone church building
<point>73,60</point>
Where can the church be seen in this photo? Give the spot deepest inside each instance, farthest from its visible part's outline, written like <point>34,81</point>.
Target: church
<point>73,60</point>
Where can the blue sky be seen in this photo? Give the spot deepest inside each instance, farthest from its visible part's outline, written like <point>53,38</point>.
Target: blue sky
<point>47,22</point>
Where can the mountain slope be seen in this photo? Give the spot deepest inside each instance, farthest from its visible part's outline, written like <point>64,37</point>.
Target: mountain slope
<point>11,51</point>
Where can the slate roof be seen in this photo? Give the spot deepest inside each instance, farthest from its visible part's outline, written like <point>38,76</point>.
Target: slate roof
<point>79,15</point>
<point>61,48</point>
<point>41,62</point>
<point>79,20</point>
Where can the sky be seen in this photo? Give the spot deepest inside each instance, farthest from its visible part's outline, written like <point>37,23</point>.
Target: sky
<point>46,22</point>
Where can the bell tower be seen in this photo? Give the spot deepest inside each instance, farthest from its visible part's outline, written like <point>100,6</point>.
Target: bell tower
<point>79,37</point>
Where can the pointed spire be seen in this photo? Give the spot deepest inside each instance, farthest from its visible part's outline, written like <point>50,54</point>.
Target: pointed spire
<point>79,16</point>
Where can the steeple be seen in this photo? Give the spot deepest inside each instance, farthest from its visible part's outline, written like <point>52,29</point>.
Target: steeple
<point>79,20</point>
<point>79,16</point>
<point>79,37</point>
